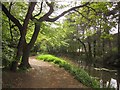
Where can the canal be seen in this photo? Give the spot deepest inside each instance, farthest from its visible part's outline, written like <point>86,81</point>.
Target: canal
<point>108,76</point>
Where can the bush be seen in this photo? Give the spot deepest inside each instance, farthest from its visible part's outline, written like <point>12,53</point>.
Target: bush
<point>78,73</point>
<point>8,55</point>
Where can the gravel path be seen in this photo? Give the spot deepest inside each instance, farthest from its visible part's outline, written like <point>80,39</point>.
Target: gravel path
<point>42,75</point>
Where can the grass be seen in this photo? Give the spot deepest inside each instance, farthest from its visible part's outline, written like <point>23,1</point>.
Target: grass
<point>78,73</point>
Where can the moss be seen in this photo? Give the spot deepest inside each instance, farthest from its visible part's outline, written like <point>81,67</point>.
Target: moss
<point>78,73</point>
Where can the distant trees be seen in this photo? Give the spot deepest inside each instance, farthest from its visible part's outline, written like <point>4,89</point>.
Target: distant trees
<point>94,25</point>
<point>119,30</point>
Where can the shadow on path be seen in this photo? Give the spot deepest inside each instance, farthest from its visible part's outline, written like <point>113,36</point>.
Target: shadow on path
<point>42,75</point>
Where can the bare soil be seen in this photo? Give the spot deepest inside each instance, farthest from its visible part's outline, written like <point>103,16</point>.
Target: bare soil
<point>41,75</point>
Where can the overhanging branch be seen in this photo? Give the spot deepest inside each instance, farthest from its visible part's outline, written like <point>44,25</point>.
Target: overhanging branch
<point>40,10</point>
<point>28,16</point>
<point>46,16</point>
<point>11,17</point>
<point>62,14</point>
<point>10,26</point>
<point>92,9</point>
<point>82,15</point>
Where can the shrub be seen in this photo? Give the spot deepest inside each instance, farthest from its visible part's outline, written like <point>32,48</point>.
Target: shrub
<point>8,55</point>
<point>78,73</point>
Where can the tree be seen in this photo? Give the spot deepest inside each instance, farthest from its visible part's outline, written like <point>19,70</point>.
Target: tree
<point>115,13</point>
<point>23,49</point>
<point>93,27</point>
<point>119,31</point>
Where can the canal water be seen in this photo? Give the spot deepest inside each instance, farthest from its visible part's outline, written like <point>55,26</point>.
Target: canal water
<point>108,76</point>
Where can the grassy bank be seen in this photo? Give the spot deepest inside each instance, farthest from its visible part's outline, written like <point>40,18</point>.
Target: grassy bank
<point>78,73</point>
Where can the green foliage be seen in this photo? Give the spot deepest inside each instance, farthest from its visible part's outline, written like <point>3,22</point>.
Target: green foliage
<point>52,37</point>
<point>8,55</point>
<point>78,73</point>
<point>8,50</point>
<point>51,58</point>
<point>92,24</point>
<point>9,42</point>
<point>106,36</point>
<point>83,77</point>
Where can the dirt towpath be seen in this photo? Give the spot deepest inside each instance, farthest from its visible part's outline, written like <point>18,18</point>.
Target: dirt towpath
<point>42,75</point>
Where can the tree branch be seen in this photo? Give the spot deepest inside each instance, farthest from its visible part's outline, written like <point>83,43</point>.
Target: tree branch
<point>11,17</point>
<point>28,16</point>
<point>62,14</point>
<point>35,35</point>
<point>82,15</point>
<point>50,11</point>
<point>83,46</point>
<point>46,16</point>
<point>92,9</point>
<point>40,10</point>
<point>10,22</point>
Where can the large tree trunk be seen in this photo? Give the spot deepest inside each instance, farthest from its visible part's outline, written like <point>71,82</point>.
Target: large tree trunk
<point>15,63</point>
<point>23,31</point>
<point>25,58</point>
<point>22,40</point>
<point>18,55</point>
<point>27,48</point>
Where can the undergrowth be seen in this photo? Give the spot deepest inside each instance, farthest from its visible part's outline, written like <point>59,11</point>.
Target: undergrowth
<point>78,73</point>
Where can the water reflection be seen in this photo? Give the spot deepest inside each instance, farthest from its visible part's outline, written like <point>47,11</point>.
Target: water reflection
<point>113,83</point>
<point>109,77</point>
<point>109,84</point>
<point>101,83</point>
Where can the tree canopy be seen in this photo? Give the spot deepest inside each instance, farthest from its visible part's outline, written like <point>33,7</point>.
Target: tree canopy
<point>35,27</point>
